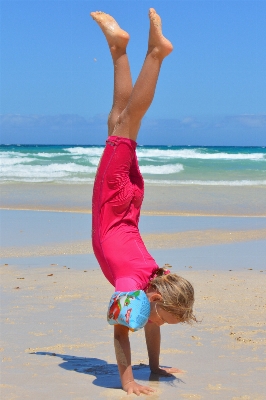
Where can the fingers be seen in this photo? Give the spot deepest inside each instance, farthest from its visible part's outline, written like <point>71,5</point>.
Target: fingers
<point>166,371</point>
<point>134,387</point>
<point>147,391</point>
<point>173,370</point>
<point>131,391</point>
<point>161,372</point>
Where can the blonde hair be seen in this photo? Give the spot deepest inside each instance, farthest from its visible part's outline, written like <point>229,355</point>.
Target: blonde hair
<point>177,294</point>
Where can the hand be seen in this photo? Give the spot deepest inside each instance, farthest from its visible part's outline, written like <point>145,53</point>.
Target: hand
<point>165,371</point>
<point>134,387</point>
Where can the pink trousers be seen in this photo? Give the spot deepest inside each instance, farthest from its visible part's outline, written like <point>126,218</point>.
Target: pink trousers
<point>117,197</point>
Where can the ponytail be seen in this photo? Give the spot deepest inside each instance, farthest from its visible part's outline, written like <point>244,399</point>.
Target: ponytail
<point>162,271</point>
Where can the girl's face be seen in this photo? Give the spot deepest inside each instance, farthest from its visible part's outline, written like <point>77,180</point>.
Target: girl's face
<point>159,316</point>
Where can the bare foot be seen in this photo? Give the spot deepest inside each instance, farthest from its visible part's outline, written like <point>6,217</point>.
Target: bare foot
<point>115,36</point>
<point>158,45</point>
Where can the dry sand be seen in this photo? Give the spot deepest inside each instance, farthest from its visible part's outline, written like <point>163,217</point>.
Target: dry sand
<point>56,343</point>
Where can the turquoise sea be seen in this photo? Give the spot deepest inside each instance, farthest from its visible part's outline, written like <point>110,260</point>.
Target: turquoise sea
<point>165,165</point>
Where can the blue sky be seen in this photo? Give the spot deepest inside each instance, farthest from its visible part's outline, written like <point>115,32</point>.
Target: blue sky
<point>56,71</point>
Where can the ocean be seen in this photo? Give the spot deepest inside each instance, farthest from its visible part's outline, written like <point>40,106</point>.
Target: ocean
<point>162,165</point>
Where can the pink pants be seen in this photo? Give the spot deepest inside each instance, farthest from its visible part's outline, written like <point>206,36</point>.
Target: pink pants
<point>117,197</point>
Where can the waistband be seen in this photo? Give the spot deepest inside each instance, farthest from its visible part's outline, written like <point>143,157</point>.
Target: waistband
<point>116,140</point>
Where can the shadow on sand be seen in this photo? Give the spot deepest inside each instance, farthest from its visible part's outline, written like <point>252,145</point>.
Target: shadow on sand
<point>106,375</point>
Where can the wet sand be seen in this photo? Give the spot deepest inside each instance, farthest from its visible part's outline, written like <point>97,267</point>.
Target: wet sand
<point>33,234</point>
<point>56,343</point>
<point>159,200</point>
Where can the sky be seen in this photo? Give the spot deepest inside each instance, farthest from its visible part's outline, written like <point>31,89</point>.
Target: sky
<point>57,75</point>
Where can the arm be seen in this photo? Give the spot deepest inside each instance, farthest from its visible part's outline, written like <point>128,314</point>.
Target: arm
<point>123,357</point>
<point>153,341</point>
<point>123,354</point>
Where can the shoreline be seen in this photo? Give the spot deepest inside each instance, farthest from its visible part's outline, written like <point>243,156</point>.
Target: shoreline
<point>158,200</point>
<point>153,241</point>
<point>146,213</point>
<point>203,242</point>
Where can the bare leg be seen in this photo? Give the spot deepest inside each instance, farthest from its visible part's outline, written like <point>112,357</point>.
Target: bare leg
<point>159,47</point>
<point>117,40</point>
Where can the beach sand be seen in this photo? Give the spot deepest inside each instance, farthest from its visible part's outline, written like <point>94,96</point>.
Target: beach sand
<point>56,343</point>
<point>159,200</point>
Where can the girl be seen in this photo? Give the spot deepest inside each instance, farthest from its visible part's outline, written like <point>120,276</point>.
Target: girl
<point>117,198</point>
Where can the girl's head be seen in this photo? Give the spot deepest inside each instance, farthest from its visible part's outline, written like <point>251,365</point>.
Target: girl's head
<point>172,294</point>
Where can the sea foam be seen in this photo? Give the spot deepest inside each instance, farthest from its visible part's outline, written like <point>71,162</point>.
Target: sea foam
<point>197,154</point>
<point>224,166</point>
<point>166,182</point>
<point>161,169</point>
<point>85,151</point>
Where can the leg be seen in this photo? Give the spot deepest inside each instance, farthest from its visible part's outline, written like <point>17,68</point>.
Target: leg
<point>117,40</point>
<point>159,47</point>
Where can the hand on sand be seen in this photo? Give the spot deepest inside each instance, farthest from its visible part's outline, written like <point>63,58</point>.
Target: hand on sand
<point>134,387</point>
<point>166,371</point>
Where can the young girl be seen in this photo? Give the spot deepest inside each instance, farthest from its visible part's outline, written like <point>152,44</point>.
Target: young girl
<point>117,198</point>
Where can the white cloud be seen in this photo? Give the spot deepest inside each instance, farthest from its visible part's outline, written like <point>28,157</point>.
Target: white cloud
<point>253,121</point>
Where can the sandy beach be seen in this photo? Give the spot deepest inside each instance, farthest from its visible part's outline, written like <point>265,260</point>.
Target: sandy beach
<point>56,343</point>
<point>184,200</point>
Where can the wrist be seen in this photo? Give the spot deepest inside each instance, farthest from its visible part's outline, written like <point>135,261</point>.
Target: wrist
<point>154,362</point>
<point>125,385</point>
<point>154,366</point>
